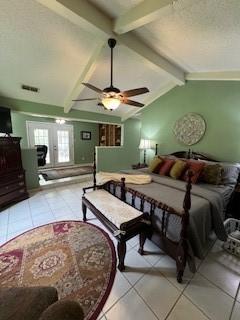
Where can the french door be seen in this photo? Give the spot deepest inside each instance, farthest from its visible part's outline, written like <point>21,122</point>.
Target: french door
<point>57,137</point>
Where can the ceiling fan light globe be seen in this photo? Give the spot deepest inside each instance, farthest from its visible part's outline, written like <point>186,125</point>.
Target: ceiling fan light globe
<point>111,103</point>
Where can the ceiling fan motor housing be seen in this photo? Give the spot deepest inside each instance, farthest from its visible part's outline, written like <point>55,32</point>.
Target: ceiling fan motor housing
<point>111,89</point>
<point>112,42</point>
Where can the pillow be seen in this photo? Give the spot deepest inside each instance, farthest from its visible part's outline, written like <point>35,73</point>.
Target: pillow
<point>212,174</point>
<point>230,174</point>
<point>178,169</point>
<point>155,163</point>
<point>196,167</point>
<point>166,166</point>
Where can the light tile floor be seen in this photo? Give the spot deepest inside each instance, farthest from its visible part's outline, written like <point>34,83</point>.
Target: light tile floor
<point>148,289</point>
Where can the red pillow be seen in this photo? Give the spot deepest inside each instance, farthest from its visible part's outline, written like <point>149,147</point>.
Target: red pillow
<point>166,166</point>
<point>196,167</point>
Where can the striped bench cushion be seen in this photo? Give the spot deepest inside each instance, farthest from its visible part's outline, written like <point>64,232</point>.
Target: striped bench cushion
<point>115,210</point>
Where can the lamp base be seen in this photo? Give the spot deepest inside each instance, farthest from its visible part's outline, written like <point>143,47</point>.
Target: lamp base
<point>139,165</point>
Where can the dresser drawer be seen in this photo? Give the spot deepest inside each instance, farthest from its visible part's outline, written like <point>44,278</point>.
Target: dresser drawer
<point>13,196</point>
<point>11,178</point>
<point>11,187</point>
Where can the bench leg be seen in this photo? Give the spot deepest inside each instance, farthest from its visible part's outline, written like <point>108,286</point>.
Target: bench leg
<point>142,239</point>
<point>84,210</point>
<point>121,249</point>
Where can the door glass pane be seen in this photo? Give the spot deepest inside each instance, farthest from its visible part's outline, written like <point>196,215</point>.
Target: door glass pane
<point>41,137</point>
<point>63,146</point>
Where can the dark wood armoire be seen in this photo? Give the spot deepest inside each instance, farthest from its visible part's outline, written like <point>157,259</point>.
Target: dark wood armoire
<point>12,175</point>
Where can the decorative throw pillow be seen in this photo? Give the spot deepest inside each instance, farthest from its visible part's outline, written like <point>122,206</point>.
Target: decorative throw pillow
<point>177,169</point>
<point>155,163</point>
<point>212,174</point>
<point>196,168</point>
<point>166,166</point>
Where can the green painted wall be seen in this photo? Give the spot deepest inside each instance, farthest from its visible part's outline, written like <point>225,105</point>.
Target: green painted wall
<point>219,104</point>
<point>29,161</point>
<point>51,110</point>
<point>83,149</point>
<point>117,158</point>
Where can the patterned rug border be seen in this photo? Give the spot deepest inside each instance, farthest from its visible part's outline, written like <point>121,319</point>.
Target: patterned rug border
<point>114,261</point>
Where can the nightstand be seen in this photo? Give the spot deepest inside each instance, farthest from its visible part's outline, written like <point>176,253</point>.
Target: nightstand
<point>233,209</point>
<point>139,166</point>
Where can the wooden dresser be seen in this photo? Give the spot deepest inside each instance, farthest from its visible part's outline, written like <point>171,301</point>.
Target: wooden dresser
<point>12,175</point>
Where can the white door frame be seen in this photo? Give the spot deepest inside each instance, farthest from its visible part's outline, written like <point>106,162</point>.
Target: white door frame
<point>53,127</point>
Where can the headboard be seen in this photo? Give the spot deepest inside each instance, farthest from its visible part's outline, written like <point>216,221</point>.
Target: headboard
<point>189,155</point>
<point>192,155</point>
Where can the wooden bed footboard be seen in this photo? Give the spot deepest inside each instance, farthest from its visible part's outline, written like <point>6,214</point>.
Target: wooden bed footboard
<point>179,250</point>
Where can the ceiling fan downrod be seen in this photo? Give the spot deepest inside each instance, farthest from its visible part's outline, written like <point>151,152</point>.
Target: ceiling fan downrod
<point>112,43</point>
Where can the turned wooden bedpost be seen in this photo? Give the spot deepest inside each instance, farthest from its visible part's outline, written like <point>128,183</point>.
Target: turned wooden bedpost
<point>189,154</point>
<point>182,251</point>
<point>94,171</point>
<point>123,191</point>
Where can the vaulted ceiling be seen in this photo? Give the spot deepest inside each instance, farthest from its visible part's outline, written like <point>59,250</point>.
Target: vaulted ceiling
<point>56,45</point>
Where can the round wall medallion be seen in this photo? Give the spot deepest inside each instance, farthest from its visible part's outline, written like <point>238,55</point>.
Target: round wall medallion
<point>190,128</point>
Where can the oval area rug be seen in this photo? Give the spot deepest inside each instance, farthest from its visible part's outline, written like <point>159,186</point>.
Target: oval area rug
<point>76,258</point>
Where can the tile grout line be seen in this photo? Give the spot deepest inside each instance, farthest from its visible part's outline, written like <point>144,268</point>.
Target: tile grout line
<point>30,214</point>
<point>117,301</point>
<point>215,285</point>
<point>7,225</point>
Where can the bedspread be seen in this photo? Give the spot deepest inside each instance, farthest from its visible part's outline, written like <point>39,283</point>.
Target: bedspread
<point>206,214</point>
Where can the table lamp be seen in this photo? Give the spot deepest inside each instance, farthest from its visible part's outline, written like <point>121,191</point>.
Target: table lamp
<point>144,145</point>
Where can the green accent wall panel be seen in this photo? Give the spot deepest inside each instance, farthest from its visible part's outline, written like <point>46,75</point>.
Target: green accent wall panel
<point>55,111</point>
<point>29,161</point>
<point>118,158</point>
<point>218,102</point>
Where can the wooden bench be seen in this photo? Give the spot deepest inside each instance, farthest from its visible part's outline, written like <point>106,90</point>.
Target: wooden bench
<point>121,219</point>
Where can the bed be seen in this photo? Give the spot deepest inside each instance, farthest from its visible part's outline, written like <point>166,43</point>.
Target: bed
<point>182,215</point>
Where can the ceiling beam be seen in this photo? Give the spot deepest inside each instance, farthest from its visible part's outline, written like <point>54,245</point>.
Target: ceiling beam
<point>83,14</point>
<point>131,41</point>
<point>88,17</point>
<point>218,76</point>
<point>143,13</point>
<point>84,77</point>
<point>151,98</point>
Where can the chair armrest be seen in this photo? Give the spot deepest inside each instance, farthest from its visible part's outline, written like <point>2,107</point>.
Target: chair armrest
<point>63,310</point>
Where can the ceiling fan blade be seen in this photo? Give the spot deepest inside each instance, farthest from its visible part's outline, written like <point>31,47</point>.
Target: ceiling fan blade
<point>135,92</point>
<point>132,103</point>
<point>90,86</point>
<point>88,99</point>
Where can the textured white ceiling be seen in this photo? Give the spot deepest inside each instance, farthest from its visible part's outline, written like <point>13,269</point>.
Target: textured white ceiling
<point>114,8</point>
<point>198,35</point>
<point>40,48</point>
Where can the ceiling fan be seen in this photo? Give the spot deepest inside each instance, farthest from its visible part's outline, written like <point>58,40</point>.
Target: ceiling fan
<point>111,97</point>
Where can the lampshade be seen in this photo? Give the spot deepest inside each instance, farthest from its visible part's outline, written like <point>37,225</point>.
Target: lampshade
<point>111,103</point>
<point>145,144</point>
